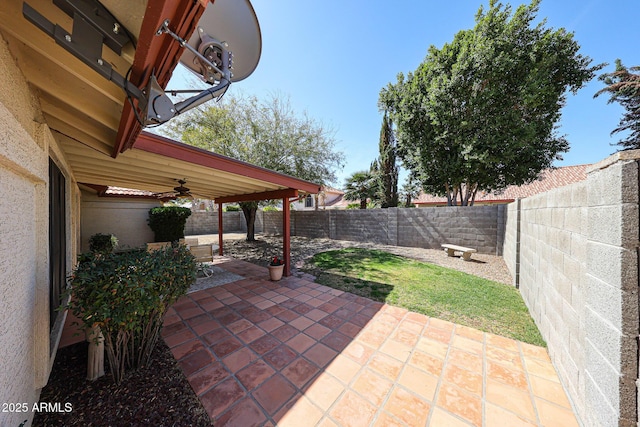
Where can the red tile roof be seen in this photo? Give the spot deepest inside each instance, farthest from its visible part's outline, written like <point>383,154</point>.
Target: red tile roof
<point>549,179</point>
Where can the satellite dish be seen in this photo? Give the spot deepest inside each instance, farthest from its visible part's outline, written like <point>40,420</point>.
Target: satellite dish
<point>233,24</point>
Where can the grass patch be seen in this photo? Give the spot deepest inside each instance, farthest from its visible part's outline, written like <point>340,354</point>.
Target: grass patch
<point>428,289</point>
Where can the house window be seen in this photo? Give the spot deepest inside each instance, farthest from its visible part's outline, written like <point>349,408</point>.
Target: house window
<point>308,201</point>
<point>57,240</point>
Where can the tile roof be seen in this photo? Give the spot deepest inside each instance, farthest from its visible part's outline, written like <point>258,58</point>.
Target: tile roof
<point>548,180</point>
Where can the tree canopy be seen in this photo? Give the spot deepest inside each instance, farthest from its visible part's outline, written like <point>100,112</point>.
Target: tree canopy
<point>624,87</point>
<point>480,113</point>
<point>266,133</point>
<point>362,186</point>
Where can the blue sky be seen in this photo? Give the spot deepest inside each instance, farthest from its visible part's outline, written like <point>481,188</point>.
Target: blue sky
<point>331,58</point>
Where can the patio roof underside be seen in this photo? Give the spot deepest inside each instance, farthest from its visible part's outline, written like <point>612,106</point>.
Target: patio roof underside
<point>155,164</point>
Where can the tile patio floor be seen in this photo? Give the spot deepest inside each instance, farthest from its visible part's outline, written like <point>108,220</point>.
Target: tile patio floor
<point>296,353</point>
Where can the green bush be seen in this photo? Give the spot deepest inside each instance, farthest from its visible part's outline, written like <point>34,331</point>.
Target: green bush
<point>232,208</point>
<point>270,209</point>
<point>103,243</point>
<point>167,222</point>
<point>126,295</point>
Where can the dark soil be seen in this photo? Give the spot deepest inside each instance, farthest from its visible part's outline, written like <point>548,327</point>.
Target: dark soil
<point>158,395</point>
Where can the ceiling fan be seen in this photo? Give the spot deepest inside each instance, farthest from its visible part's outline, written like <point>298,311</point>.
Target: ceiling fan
<point>181,190</point>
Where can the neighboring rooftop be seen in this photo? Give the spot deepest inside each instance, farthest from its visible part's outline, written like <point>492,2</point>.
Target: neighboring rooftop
<point>549,179</point>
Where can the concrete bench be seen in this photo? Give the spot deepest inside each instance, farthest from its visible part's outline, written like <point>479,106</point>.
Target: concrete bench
<point>466,252</point>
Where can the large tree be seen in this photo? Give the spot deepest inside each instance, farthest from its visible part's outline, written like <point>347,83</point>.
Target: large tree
<point>481,112</point>
<point>624,87</point>
<point>387,165</point>
<point>266,133</point>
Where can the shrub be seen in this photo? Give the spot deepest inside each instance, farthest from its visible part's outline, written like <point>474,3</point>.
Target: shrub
<point>103,243</point>
<point>232,208</point>
<point>270,209</point>
<point>126,295</point>
<point>167,222</point>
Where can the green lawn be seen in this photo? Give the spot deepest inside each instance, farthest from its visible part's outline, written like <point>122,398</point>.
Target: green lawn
<point>428,289</point>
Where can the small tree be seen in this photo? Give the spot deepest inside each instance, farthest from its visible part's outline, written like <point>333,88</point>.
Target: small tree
<point>410,190</point>
<point>361,186</point>
<point>624,87</point>
<point>387,167</point>
<point>168,222</point>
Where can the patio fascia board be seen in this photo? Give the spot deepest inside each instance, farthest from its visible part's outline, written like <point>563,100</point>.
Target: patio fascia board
<point>265,195</point>
<point>157,144</point>
<point>156,54</point>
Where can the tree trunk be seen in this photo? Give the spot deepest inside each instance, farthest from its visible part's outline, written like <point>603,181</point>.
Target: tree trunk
<point>363,203</point>
<point>249,209</point>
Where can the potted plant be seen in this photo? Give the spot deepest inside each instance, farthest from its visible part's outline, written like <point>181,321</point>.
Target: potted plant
<point>276,268</point>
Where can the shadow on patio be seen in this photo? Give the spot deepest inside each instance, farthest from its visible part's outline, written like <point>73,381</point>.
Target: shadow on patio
<point>298,353</point>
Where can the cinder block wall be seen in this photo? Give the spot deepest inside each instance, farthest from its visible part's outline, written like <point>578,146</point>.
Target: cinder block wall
<point>207,223</point>
<point>578,274</point>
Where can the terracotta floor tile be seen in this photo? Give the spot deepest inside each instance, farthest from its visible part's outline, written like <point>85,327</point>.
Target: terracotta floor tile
<point>406,336</point>
<point>196,361</point>
<point>541,368</point>
<point>396,312</point>
<point>274,393</point>
<point>468,345</point>
<point>535,352</point>
<point>411,409</point>
<point>226,346</point>
<point>317,331</point>
<point>301,342</point>
<point>264,344</point>
<point>426,362</point>
<point>549,390</point>
<point>331,321</point>
<point>255,374</point>
<point>419,382</point>
<point>239,359</point>
<point>385,419</point>
<point>324,391</point>
<point>285,332</point>
<point>358,352</point>
<point>194,321</point>
<point>207,377</point>
<point>371,338</point>
<point>350,330</point>
<point>303,308</point>
<point>271,324</point>
<point>418,318</point>
<point>504,357</point>
<point>300,371</point>
<point>467,332</point>
<point>387,366</point>
<point>251,334</point>
<point>438,334</point>
<point>467,380</point>
<point>495,416</point>
<point>320,354</point>
<point>372,386</point>
<point>397,350</point>
<point>287,315</point>
<point>469,361</point>
<point>258,317</point>
<point>187,348</point>
<point>239,326</point>
<point>245,413</point>
<point>434,348</point>
<point>221,397</point>
<point>512,377</point>
<point>280,356</point>
<point>460,402</point>
<point>205,327</point>
<point>441,324</point>
<point>442,418</point>
<point>343,368</point>
<point>301,323</point>
<point>553,415</point>
<point>510,398</point>
<point>505,343</point>
<point>316,314</point>
<point>353,410</point>
<point>179,338</point>
<point>336,341</point>
<point>216,335</point>
<point>297,412</point>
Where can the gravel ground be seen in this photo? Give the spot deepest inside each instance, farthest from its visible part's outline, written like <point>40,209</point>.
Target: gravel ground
<point>302,249</point>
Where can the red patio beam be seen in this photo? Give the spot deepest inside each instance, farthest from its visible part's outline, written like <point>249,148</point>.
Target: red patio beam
<point>286,236</point>
<point>157,144</point>
<point>265,195</point>
<point>156,54</point>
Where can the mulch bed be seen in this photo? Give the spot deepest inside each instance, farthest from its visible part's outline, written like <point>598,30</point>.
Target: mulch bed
<point>158,395</point>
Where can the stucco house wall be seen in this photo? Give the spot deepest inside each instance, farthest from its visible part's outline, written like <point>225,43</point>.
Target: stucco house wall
<point>124,218</point>
<point>26,344</point>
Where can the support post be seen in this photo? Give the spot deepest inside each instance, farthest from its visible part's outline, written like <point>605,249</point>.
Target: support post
<point>220,230</point>
<point>286,236</point>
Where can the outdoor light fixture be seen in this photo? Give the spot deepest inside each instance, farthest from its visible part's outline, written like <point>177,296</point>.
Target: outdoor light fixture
<point>233,21</point>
